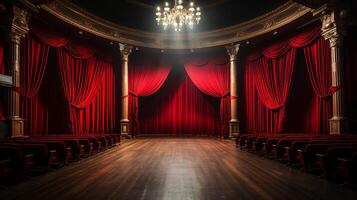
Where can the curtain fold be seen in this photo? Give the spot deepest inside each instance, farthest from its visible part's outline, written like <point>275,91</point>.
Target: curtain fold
<point>211,76</point>
<point>179,108</point>
<point>81,80</point>
<point>268,76</point>
<point>99,116</point>
<point>78,48</point>
<point>144,80</point>
<point>50,36</point>
<point>305,37</point>
<point>273,79</point>
<point>318,63</point>
<point>33,67</point>
<point>86,102</point>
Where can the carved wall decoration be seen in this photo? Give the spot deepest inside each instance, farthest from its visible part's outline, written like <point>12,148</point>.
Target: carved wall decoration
<point>72,14</point>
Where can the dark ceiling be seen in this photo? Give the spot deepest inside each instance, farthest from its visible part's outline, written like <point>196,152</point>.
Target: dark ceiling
<point>140,14</point>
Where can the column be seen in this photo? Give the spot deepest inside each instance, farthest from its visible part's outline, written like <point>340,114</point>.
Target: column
<point>18,29</point>
<point>234,122</point>
<point>125,51</point>
<point>333,29</point>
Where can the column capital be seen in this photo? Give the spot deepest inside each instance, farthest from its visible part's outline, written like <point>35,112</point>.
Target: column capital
<point>334,25</point>
<point>232,51</point>
<point>125,51</point>
<point>18,23</point>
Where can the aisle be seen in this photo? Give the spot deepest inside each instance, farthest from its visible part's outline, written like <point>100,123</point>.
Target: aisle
<point>173,168</point>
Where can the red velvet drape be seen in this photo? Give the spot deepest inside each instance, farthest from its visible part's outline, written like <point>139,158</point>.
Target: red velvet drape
<point>318,62</point>
<point>100,115</point>
<point>81,80</point>
<point>87,78</point>
<point>273,79</point>
<point>50,36</point>
<point>211,76</point>
<point>33,66</point>
<point>145,78</point>
<point>179,108</point>
<point>273,72</point>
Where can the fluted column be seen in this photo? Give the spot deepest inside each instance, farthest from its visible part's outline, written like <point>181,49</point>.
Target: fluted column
<point>125,51</point>
<point>18,29</point>
<point>234,122</point>
<point>333,29</point>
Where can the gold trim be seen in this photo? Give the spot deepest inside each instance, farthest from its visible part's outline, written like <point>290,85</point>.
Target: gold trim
<point>150,6</point>
<point>74,15</point>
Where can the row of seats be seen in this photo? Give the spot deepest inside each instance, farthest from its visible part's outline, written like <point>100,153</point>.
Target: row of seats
<point>334,157</point>
<point>20,157</point>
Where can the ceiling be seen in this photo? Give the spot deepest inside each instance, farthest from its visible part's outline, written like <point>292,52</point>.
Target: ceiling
<point>140,14</point>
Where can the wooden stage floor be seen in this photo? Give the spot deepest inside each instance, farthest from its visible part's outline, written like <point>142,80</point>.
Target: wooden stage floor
<point>176,168</point>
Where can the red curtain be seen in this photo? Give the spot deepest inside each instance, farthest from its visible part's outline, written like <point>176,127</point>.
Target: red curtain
<point>318,62</point>
<point>305,37</point>
<point>270,72</point>
<point>33,66</point>
<point>273,79</point>
<point>145,79</point>
<point>80,49</point>
<point>99,116</point>
<point>81,80</point>
<point>179,108</point>
<point>86,76</point>
<point>250,100</point>
<point>50,36</point>
<point>211,76</point>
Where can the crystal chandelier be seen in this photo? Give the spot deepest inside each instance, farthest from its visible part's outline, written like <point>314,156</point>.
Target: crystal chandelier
<point>178,16</point>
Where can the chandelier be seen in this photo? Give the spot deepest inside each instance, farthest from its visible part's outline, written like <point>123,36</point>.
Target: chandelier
<point>178,16</point>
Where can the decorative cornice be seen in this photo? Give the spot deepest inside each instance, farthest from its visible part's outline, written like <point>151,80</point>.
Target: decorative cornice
<point>19,23</point>
<point>72,14</point>
<point>232,51</point>
<point>125,51</point>
<point>334,24</point>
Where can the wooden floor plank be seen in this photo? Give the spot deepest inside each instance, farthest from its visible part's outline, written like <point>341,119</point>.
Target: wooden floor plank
<point>177,168</point>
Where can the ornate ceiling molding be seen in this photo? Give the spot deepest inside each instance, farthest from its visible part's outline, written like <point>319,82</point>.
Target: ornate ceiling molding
<point>74,15</point>
<point>152,6</point>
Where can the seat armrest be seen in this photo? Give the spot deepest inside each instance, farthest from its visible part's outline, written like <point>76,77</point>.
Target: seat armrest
<point>345,160</point>
<point>3,162</point>
<point>28,156</point>
<point>320,155</point>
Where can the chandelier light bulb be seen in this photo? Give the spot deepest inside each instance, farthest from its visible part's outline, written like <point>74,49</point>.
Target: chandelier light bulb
<point>178,16</point>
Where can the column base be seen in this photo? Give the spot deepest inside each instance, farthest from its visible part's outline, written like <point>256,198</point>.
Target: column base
<point>124,128</point>
<point>338,125</point>
<point>16,125</point>
<point>233,128</point>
